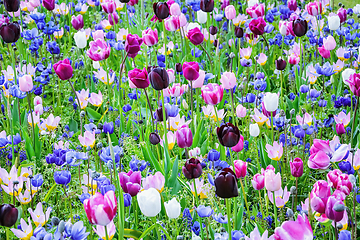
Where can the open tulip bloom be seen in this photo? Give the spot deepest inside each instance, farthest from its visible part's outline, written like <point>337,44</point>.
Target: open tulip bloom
<point>125,119</point>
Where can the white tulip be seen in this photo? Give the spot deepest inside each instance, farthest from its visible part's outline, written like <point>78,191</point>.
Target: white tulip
<point>334,22</point>
<point>201,17</point>
<point>185,105</point>
<point>80,39</point>
<point>96,64</point>
<point>252,3</point>
<point>346,74</point>
<point>149,202</point>
<point>356,9</point>
<point>172,208</point>
<point>254,130</point>
<point>271,101</point>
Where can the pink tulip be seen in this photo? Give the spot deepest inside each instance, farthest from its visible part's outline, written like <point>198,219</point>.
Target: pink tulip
<point>257,10</point>
<point>295,230</point>
<point>63,69</point>
<point>176,90</point>
<point>100,209</point>
<point>109,6</point>
<point>272,181</point>
<point>133,45</point>
<point>354,83</point>
<point>113,18</point>
<point>172,23</point>
<point>275,152</point>
<point>340,129</point>
<point>292,5</point>
<point>293,59</point>
<point>319,160</point>
<point>98,34</point>
<point>258,181</point>
<point>240,111</point>
<point>199,82</point>
<point>184,137</point>
<point>88,140</point>
<point>133,2</point>
<point>96,99</point>
<point>77,22</point>
<point>130,182</point>
<point>230,12</point>
<point>191,70</point>
<point>319,196</point>
<point>314,8</point>
<point>329,43</point>
<point>37,100</point>
<point>150,37</point>
<point>99,50</point>
<point>330,212</point>
<point>175,10</point>
<point>240,168</point>
<point>239,146</point>
<point>281,197</point>
<point>342,13</point>
<point>342,118</point>
<point>228,80</point>
<point>183,20</point>
<point>156,181</point>
<point>26,83</point>
<point>297,167</point>
<point>38,109</point>
<point>212,93</point>
<point>332,177</point>
<point>343,184</point>
<point>323,52</point>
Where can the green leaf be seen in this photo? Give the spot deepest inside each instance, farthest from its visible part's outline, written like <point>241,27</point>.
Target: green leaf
<point>93,114</point>
<point>197,134</point>
<point>28,146</point>
<point>73,125</point>
<point>173,181</point>
<point>47,196</point>
<point>130,233</point>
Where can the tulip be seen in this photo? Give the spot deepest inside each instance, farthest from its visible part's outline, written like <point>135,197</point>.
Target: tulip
<point>212,93</point>
<point>226,184</point>
<point>38,216</point>
<point>113,18</point>
<point>138,78</point>
<point>240,168</point>
<point>12,5</point>
<point>230,12</point>
<point>280,64</point>
<point>354,83</point>
<point>159,78</point>
<point>295,230</point>
<point>80,39</point>
<point>330,210</point>
<point>334,22</point>
<point>150,37</point>
<point>257,26</point>
<point>240,111</point>
<point>199,82</point>
<point>319,196</point>
<point>149,202</point>
<point>272,181</point>
<point>228,135</point>
<point>340,129</point>
<point>77,22</point>
<point>329,43</point>
<point>100,209</point>
<point>8,215</point>
<point>192,168</point>
<point>49,4</point>
<point>254,130</point>
<point>314,8</point>
<point>228,80</point>
<point>159,114</point>
<point>175,10</point>
<point>239,32</point>
<point>26,83</point>
<point>207,5</point>
<point>342,13</point>
<point>10,32</point>
<point>257,10</point>
<point>161,10</point>
<point>344,184</point>
<point>204,211</point>
<point>108,6</point>
<point>154,138</point>
<point>130,182</point>
<point>99,50</point>
<point>191,70</point>
<point>201,17</point>
<point>195,36</point>
<point>292,5</point>
<point>62,177</point>
<point>133,45</point>
<point>258,181</point>
<point>184,137</point>
<point>297,167</point>
<point>299,27</point>
<point>275,152</point>
<point>96,99</point>
<point>324,52</point>
<point>213,30</point>
<point>271,102</point>
<point>173,208</point>
<point>239,146</point>
<point>156,181</point>
<point>346,75</point>
<point>332,177</point>
<point>110,228</point>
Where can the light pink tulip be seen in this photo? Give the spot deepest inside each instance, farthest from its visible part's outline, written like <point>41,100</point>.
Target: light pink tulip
<point>38,109</point>
<point>230,12</point>
<point>175,10</point>
<point>258,181</point>
<point>240,111</point>
<point>150,37</point>
<point>295,230</point>
<point>172,23</point>
<point>156,181</point>
<point>228,80</point>
<point>272,181</point>
<point>183,20</point>
<point>257,10</point>
<point>100,209</point>
<point>329,43</point>
<point>176,90</point>
<point>96,99</point>
<point>240,168</point>
<point>275,152</point>
<point>26,83</point>
<point>199,82</point>
<point>37,100</point>
<point>88,140</point>
<point>239,146</point>
<point>281,197</point>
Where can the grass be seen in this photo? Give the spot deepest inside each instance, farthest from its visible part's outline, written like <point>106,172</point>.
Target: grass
<point>347,3</point>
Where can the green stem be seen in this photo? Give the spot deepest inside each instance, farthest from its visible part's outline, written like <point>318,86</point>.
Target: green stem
<point>246,203</point>
<point>275,211</point>
<point>32,118</point>
<point>197,205</point>
<point>228,212</point>
<point>106,233</point>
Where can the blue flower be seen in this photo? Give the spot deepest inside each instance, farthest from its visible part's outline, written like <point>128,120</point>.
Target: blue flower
<point>37,180</point>
<point>16,92</point>
<point>62,177</point>
<point>172,110</point>
<point>137,165</point>
<point>76,231</point>
<point>106,186</point>
<point>41,234</point>
<point>204,211</point>
<point>213,155</point>
<point>108,127</point>
<point>74,158</point>
<point>105,154</point>
<point>345,235</point>
<point>237,235</point>
<point>127,200</point>
<point>84,196</point>
<point>196,228</point>
<point>220,218</point>
<point>326,70</point>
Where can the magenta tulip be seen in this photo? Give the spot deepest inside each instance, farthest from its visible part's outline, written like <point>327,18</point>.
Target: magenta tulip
<point>319,196</point>
<point>323,52</point>
<point>340,129</point>
<point>295,230</point>
<point>343,184</point>
<point>109,6</point>
<point>63,69</point>
<point>26,83</point>
<point>332,177</point>
<point>49,4</point>
<point>257,26</point>
<point>330,212</point>
<point>354,83</point>
<point>292,5</point>
<point>212,93</point>
<point>314,8</point>
<point>130,182</point>
<point>258,181</point>
<point>138,78</point>
<point>99,50</point>
<point>113,18</point>
<point>257,10</point>
<point>195,36</point>
<point>100,209</point>
<point>297,167</point>
<point>77,22</point>
<point>184,137</point>
<point>150,37</point>
<point>342,13</point>
<point>240,168</point>
<point>239,146</point>
<point>133,45</point>
<point>191,70</point>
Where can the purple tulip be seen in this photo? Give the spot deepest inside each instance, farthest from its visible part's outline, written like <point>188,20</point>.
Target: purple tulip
<point>191,70</point>
<point>77,22</point>
<point>195,36</point>
<point>49,4</point>
<point>332,211</point>
<point>130,182</point>
<point>297,167</point>
<point>132,45</point>
<point>184,137</point>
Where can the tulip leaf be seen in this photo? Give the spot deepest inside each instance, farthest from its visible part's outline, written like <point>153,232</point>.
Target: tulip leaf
<point>28,146</point>
<point>47,196</point>
<point>93,114</point>
<point>131,233</point>
<point>73,125</point>
<point>197,134</point>
<point>37,143</point>
<point>173,180</point>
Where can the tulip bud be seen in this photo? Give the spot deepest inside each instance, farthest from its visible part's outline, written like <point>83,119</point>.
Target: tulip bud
<point>226,184</point>
<point>154,138</point>
<point>254,130</point>
<point>77,22</point>
<point>161,10</point>
<point>184,104</point>
<point>55,221</point>
<point>330,209</point>
<point>178,67</point>
<point>49,4</point>
<point>26,83</point>
<point>280,64</point>
<point>192,168</point>
<point>195,36</point>
<point>213,30</point>
<point>159,78</point>
<point>207,5</point>
<point>61,226</point>
<point>300,27</point>
<point>10,32</point>
<point>184,137</point>
<point>340,129</point>
<point>297,167</point>
<point>173,208</point>
<point>239,32</point>
<point>240,168</point>
<point>12,5</point>
<point>108,127</point>
<point>191,70</point>
<point>159,114</point>
<point>8,215</point>
<point>228,135</point>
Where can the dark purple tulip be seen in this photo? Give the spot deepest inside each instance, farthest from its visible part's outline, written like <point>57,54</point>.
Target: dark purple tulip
<point>191,70</point>
<point>257,26</point>
<point>8,215</point>
<point>161,10</point>
<point>124,1</point>
<point>207,5</point>
<point>213,30</point>
<point>10,32</point>
<point>239,32</point>
<point>280,64</point>
<point>178,67</point>
<point>12,5</point>
<point>300,27</point>
<point>49,4</point>
<point>159,78</point>
<point>192,168</point>
<point>154,138</point>
<point>159,114</point>
<point>226,184</point>
<point>228,135</point>
<point>297,167</point>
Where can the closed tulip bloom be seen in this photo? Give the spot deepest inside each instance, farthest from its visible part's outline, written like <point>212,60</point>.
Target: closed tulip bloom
<point>133,45</point>
<point>340,129</point>
<point>150,37</point>
<point>138,78</point>
<point>332,177</point>
<point>280,64</point>
<point>354,83</point>
<point>319,196</point>
<point>324,52</point>
<point>173,208</point>
<point>272,181</point>
<point>226,184</point>
<point>12,5</point>
<point>207,5</point>
<point>344,184</point>
<point>254,130</point>
<point>175,9</point>
<point>191,70</point>
<point>149,202</point>
<point>99,50</point>
<point>239,32</point>
<point>257,10</point>
<point>228,80</point>
<point>101,210</point>
<point>130,182</point>
<point>49,4</point>
<point>108,127</point>
<point>295,230</point>
<point>184,137</point>
<point>240,168</point>
<point>62,177</point>
<point>8,215</point>
<point>240,111</point>
<point>258,181</point>
<point>329,43</point>
<point>10,32</point>
<point>300,27</point>
<point>96,99</point>
<point>26,83</point>
<point>212,93</point>
<point>240,145</point>
<point>159,78</point>
<point>292,5</point>
<point>154,138</point>
<point>257,26</point>
<point>334,22</point>
<point>63,69</point>
<point>77,22</point>
<point>161,10</point>
<point>330,212</point>
<point>319,160</point>
<point>230,12</point>
<point>228,135</point>
<point>113,18</point>
<point>192,168</point>
<point>80,39</point>
<point>109,6</point>
<point>297,167</point>
<point>199,82</point>
<point>156,181</point>
<point>271,101</point>
<point>201,17</point>
<point>195,36</point>
<point>314,8</point>
<point>342,13</point>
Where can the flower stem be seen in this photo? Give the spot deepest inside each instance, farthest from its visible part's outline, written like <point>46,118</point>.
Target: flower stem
<point>275,210</point>
<point>106,233</point>
<point>228,212</point>
<point>246,203</point>
<point>353,123</point>
<point>32,118</point>
<point>196,205</point>
<point>77,99</point>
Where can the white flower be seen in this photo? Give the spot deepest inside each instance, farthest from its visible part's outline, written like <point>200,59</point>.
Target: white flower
<point>254,130</point>
<point>201,17</point>
<point>356,9</point>
<point>172,208</point>
<point>346,74</point>
<point>80,39</point>
<point>149,202</point>
<point>271,101</point>
<point>334,22</point>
